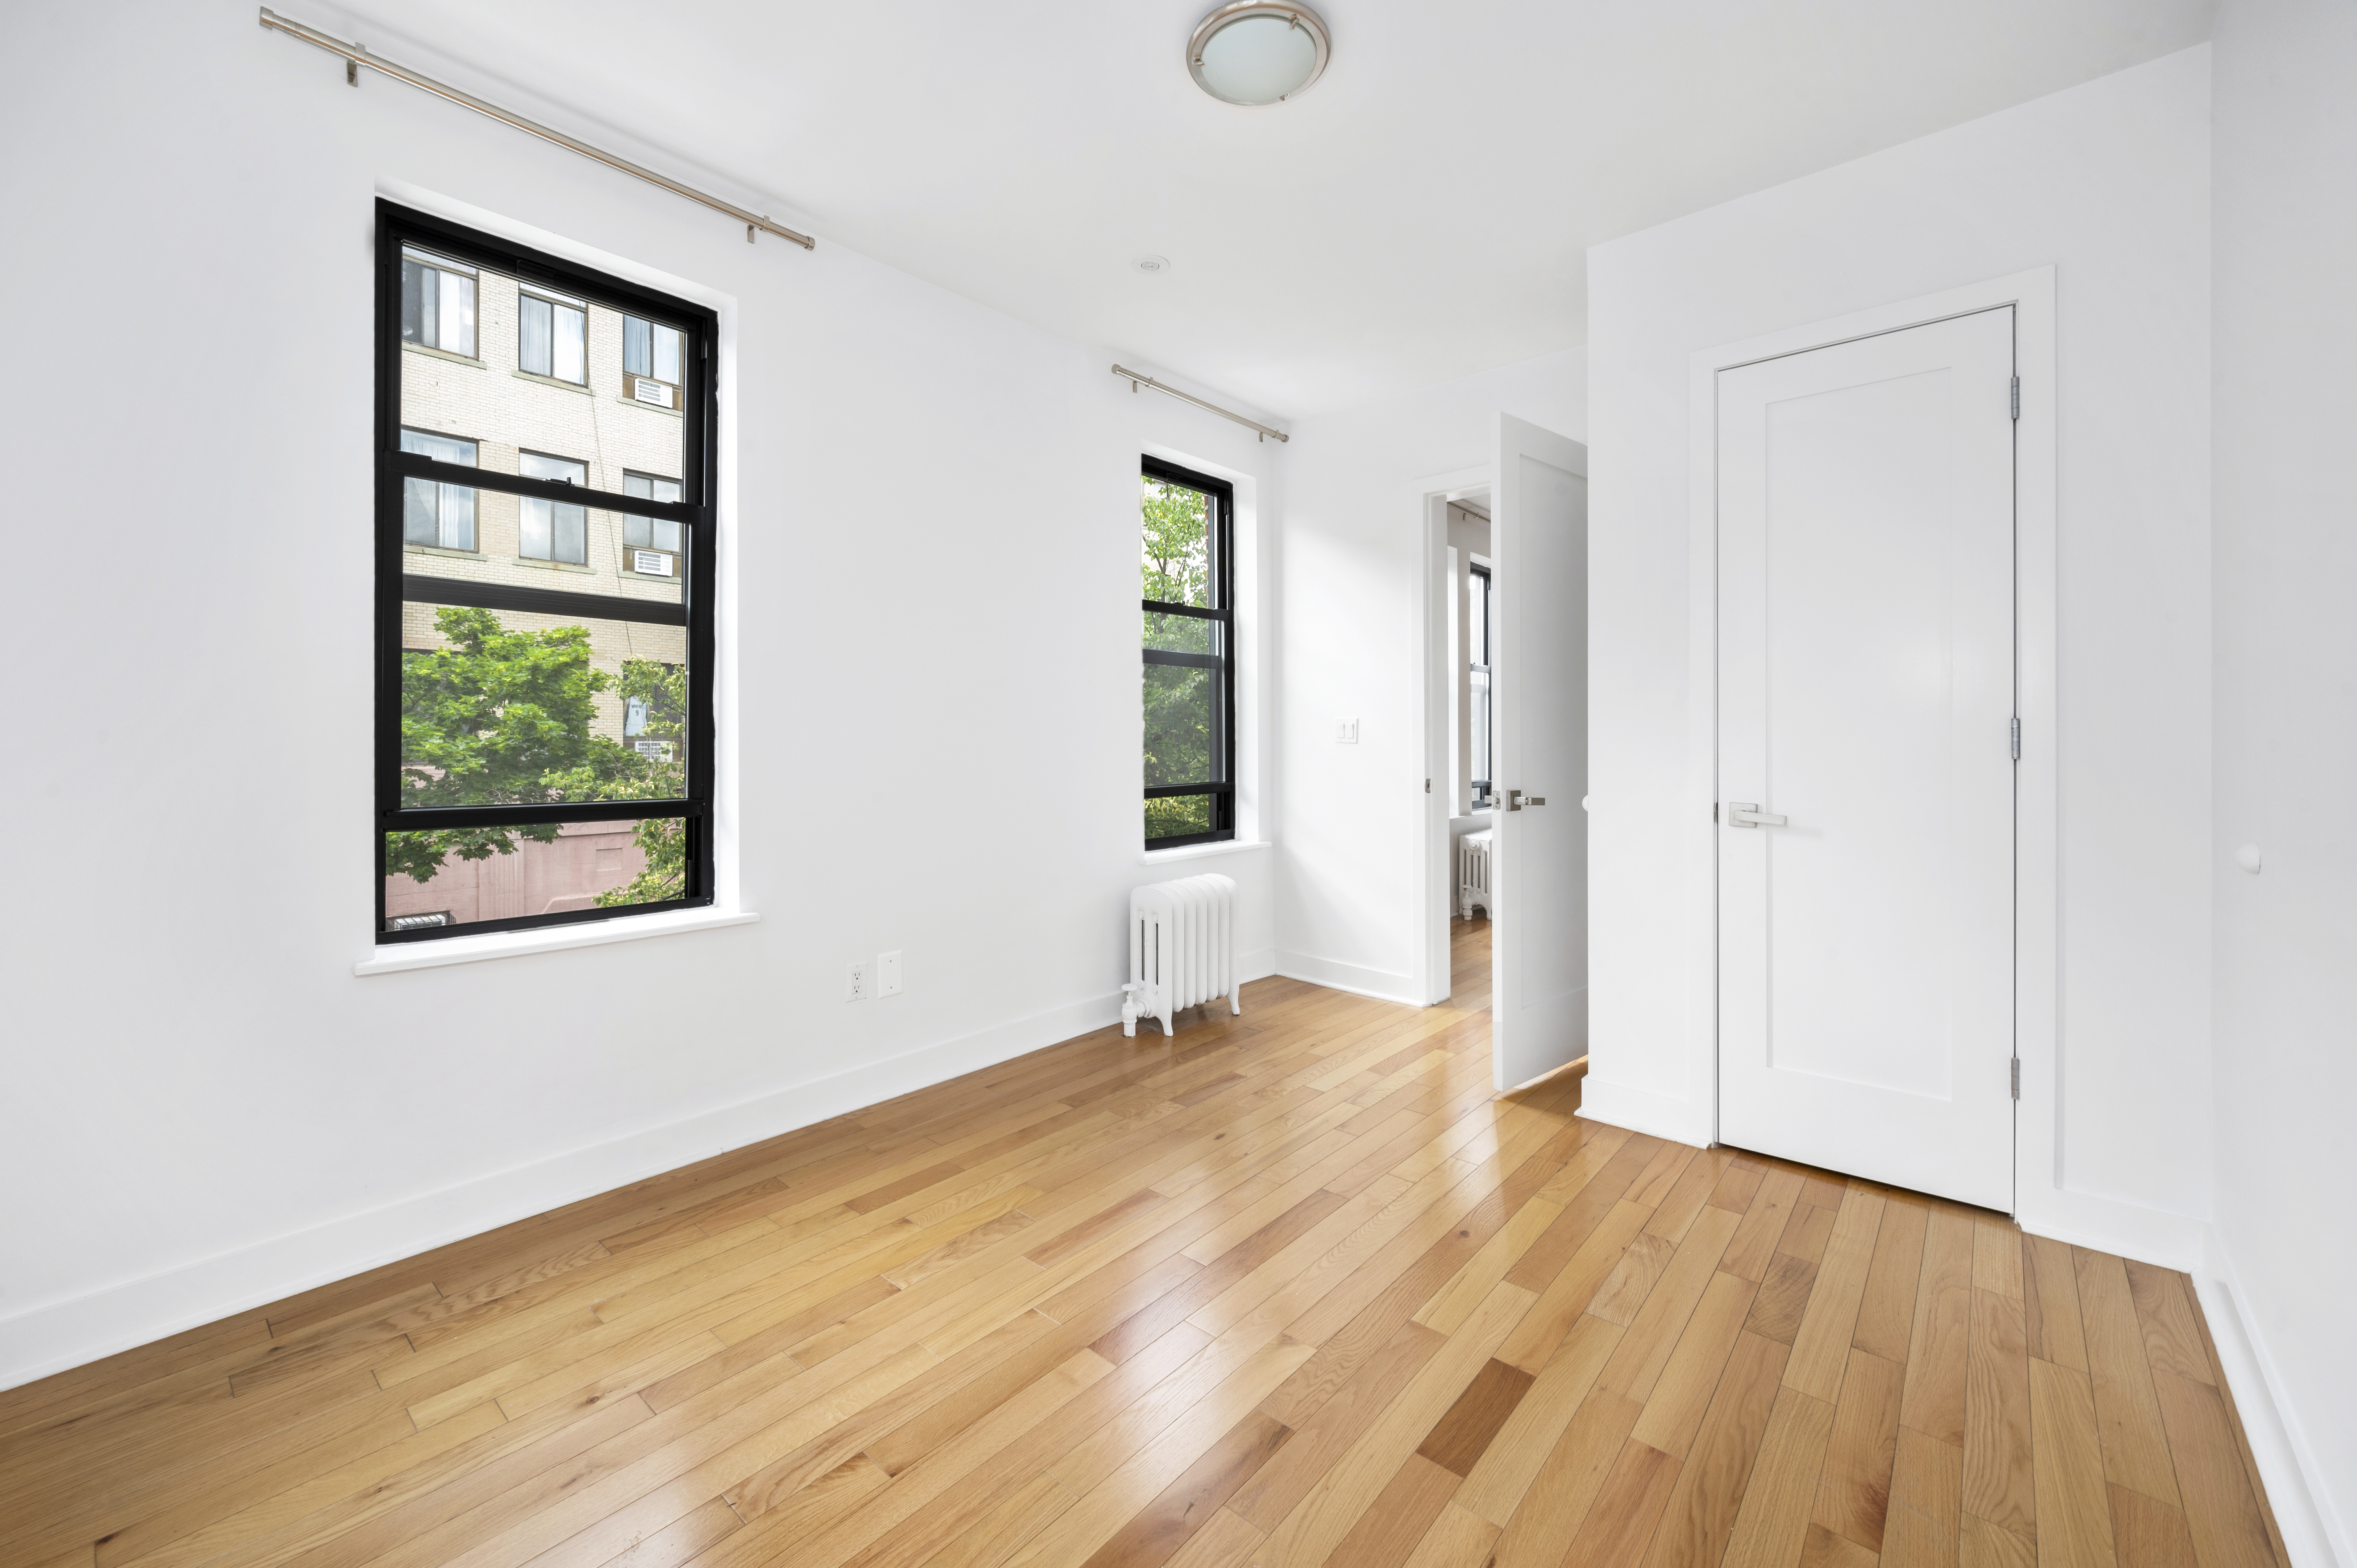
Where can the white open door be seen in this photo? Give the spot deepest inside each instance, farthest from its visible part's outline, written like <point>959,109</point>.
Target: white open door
<point>1865,793</point>
<point>1538,542</point>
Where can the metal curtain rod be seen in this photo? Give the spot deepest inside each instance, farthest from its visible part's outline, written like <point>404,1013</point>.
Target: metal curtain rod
<point>1139,379</point>
<point>357,57</point>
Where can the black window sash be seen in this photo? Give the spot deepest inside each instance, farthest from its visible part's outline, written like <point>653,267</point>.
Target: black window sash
<point>1221,789</point>
<point>397,226</point>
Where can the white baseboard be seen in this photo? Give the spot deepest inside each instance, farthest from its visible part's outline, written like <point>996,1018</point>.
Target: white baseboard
<point>1641,1110</point>
<point>1382,984</point>
<point>2108,1225</point>
<point>2312,1529</point>
<point>58,1334</point>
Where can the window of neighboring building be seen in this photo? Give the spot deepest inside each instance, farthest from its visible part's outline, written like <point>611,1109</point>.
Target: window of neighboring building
<point>437,303</point>
<point>651,354</point>
<point>650,545</point>
<point>550,529</point>
<point>1476,656</point>
<point>544,739</point>
<point>434,513</point>
<point>552,337</point>
<point>1187,520</point>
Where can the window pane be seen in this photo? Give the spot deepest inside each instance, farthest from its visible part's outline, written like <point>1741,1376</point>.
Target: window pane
<point>1177,563</point>
<point>457,314</point>
<point>667,341</point>
<point>582,410</point>
<point>637,355</point>
<point>464,876</point>
<point>419,317</point>
<point>532,340</point>
<point>1182,634</point>
<point>518,539</point>
<point>509,707</point>
<point>1176,816</point>
<point>1181,705</point>
<point>420,512</point>
<point>441,449</point>
<point>457,506</point>
<point>572,346</point>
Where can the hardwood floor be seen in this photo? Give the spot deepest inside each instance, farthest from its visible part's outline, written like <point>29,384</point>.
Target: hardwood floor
<point>1289,1289</point>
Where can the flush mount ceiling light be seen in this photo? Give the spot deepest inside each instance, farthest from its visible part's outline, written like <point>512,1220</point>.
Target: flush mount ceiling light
<point>1254,51</point>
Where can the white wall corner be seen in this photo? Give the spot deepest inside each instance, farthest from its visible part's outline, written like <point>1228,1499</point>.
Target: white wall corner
<point>2315,1536</point>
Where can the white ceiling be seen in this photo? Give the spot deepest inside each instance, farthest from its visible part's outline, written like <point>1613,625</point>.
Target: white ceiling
<point>1420,213</point>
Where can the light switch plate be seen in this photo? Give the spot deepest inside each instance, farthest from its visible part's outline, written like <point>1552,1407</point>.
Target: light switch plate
<point>887,974</point>
<point>1346,731</point>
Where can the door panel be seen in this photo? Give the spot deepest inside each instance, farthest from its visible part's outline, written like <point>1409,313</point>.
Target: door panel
<point>1866,698</point>
<point>1539,699</point>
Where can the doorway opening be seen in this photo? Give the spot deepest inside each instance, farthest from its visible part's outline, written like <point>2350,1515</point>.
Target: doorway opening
<point>1505,845</point>
<point>1471,623</point>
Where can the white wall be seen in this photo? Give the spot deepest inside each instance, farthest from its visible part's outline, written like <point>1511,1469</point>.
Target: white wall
<point>1350,643</point>
<point>2286,552</point>
<point>938,710</point>
<point>2108,183</point>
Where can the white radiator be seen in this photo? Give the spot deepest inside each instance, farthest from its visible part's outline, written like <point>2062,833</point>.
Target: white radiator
<point>1182,948</point>
<point>1473,873</point>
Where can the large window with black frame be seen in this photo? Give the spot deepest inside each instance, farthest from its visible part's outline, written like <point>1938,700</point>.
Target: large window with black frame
<point>1188,520</point>
<point>545,584</point>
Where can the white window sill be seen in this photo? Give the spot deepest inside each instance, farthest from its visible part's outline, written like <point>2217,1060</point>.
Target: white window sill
<point>1198,850</point>
<point>396,957</point>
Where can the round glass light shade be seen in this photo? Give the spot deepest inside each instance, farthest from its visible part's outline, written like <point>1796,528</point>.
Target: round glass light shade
<point>1252,53</point>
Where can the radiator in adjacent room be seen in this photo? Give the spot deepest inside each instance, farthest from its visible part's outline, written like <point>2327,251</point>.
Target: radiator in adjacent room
<point>1473,873</point>
<point>1182,948</point>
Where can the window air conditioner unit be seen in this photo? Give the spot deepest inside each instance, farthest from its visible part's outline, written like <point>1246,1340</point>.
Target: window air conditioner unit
<point>653,562</point>
<point>663,394</point>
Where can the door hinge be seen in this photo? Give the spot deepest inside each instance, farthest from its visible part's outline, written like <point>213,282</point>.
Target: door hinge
<point>2016,1077</point>
<point>1427,786</point>
<point>2016,740</point>
<point>2016,397</point>
<point>1713,810</point>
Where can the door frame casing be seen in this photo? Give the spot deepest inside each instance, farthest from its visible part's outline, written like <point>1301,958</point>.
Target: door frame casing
<point>2038,1145</point>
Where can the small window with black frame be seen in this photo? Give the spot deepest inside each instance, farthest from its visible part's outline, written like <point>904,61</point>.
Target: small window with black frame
<point>651,361</point>
<point>437,303</point>
<point>651,545</point>
<point>1187,523</point>
<point>552,336</point>
<point>543,740</point>
<point>433,514</point>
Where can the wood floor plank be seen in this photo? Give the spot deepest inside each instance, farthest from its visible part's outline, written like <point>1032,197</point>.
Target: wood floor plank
<point>1854,1490</point>
<point>1289,1288</point>
<point>2136,1448</point>
<point>1699,1518</point>
<point>1773,1522</point>
<point>2074,1510</point>
<point>1920,1528</point>
<point>1999,1483</point>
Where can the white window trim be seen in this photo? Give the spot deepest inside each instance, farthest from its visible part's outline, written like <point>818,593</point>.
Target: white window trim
<point>1197,851</point>
<point>398,957</point>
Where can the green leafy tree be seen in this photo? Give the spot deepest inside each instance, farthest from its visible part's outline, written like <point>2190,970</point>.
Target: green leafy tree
<point>502,717</point>
<point>1175,568</point>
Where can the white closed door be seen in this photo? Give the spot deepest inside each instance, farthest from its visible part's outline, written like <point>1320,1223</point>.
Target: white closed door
<point>1538,871</point>
<point>1866,758</point>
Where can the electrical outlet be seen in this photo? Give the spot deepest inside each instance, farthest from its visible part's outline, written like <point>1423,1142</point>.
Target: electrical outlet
<point>856,991</point>
<point>1346,731</point>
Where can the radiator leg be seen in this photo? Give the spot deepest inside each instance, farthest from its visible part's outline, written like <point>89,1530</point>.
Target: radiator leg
<point>1235,1000</point>
<point>1167,1030</point>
